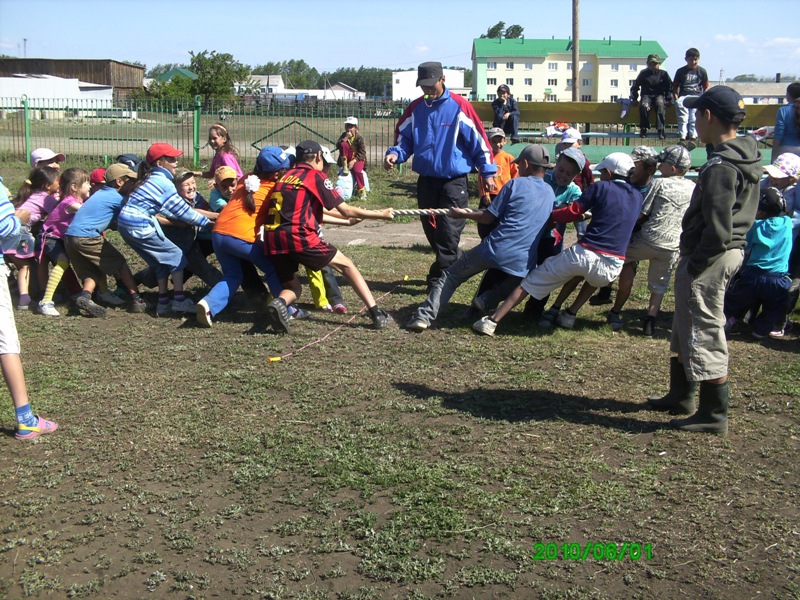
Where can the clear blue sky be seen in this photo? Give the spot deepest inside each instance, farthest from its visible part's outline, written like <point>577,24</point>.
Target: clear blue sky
<point>755,36</point>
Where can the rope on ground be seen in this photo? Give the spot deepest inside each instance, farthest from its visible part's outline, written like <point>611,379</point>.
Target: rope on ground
<point>330,333</point>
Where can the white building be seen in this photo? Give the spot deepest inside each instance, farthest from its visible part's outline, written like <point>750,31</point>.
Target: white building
<point>404,84</point>
<point>48,87</point>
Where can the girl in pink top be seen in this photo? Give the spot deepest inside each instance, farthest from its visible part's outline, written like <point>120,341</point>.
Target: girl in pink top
<point>75,187</point>
<point>34,201</point>
<point>225,153</point>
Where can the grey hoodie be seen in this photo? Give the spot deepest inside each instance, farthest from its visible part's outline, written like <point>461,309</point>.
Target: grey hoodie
<point>723,206</point>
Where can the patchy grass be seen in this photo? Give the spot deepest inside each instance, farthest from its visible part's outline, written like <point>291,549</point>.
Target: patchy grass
<point>390,464</point>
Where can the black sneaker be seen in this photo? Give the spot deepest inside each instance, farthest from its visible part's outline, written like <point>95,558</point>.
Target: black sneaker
<point>381,319</point>
<point>278,316</point>
<point>88,308</point>
<point>649,326</point>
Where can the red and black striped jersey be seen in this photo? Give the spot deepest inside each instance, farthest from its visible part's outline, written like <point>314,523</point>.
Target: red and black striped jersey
<point>295,210</point>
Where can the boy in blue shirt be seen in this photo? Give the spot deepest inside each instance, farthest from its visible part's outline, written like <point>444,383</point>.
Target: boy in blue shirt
<point>764,279</point>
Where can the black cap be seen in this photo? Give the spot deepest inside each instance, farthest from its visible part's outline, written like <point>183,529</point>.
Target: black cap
<point>723,102</point>
<point>428,73</point>
<point>307,147</point>
<point>772,202</point>
<point>654,58</point>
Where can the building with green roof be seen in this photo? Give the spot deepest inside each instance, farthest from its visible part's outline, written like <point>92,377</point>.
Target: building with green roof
<point>179,72</point>
<point>540,70</point>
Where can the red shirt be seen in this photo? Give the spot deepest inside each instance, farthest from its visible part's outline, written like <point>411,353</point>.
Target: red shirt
<point>294,210</point>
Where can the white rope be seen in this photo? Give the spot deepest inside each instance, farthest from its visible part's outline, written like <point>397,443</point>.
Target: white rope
<point>408,212</point>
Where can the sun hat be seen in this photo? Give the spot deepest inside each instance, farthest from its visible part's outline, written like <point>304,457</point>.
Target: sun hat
<point>118,170</point>
<point>272,158</point>
<point>786,165</point>
<point>46,155</point>
<point>224,172</point>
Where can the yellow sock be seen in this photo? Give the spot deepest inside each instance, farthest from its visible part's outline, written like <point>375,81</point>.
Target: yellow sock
<point>55,278</point>
<point>317,285</point>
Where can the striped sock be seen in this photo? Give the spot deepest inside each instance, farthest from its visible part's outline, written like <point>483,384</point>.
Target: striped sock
<point>179,297</point>
<point>55,278</point>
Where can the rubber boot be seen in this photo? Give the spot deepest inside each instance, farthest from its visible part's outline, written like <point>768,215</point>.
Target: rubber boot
<point>680,398</point>
<point>712,415</point>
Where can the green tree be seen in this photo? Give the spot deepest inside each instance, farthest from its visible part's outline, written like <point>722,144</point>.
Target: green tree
<point>295,73</point>
<point>514,32</point>
<point>747,77</point>
<point>270,68</point>
<point>216,74</point>
<point>161,69</point>
<point>496,31</point>
<point>467,77</point>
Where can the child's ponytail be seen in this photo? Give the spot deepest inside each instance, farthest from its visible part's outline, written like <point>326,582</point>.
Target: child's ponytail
<point>39,180</point>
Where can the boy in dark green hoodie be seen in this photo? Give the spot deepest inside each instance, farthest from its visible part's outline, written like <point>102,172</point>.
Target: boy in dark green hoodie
<point>722,210</point>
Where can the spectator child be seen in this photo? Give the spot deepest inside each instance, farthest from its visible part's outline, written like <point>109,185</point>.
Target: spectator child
<point>506,171</point>
<point>74,187</point>
<point>353,156</point>
<point>787,125</point>
<point>764,279</point>
<point>690,80</point>
<point>506,113</point>
<point>656,92</point>
<point>29,425</point>
<point>225,153</point>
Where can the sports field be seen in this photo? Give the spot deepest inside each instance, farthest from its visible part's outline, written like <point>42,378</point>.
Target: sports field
<point>391,464</point>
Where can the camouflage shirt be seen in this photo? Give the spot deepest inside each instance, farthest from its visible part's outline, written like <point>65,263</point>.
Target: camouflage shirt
<point>664,206</point>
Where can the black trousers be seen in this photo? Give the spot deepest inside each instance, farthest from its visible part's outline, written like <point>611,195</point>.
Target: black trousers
<point>442,232</point>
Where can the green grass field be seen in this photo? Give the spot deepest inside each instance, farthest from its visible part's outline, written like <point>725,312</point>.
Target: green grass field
<point>391,464</point>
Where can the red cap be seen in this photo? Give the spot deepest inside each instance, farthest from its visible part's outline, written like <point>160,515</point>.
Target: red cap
<point>160,150</point>
<point>97,176</point>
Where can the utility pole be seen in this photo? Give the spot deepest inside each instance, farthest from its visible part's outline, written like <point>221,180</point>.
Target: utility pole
<point>25,47</point>
<point>576,52</point>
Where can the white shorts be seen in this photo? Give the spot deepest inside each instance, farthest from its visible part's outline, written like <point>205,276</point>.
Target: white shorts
<point>9,340</point>
<point>597,269</point>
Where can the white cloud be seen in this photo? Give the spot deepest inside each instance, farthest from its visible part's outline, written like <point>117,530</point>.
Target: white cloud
<point>421,48</point>
<point>730,37</point>
<point>782,41</point>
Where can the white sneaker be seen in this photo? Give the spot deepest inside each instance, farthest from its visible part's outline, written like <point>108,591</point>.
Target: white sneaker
<point>163,309</point>
<point>203,314</point>
<point>485,326</point>
<point>185,306</point>
<point>565,320</point>
<point>48,309</point>
<point>110,298</point>
<point>416,324</point>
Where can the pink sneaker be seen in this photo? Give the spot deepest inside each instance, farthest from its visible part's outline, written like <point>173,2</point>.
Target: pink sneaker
<point>340,309</point>
<point>42,426</point>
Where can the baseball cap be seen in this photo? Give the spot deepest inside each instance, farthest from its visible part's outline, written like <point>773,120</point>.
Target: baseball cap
<point>161,149</point>
<point>272,158</point>
<point>312,147</point>
<point>536,154</point>
<point>644,153</point>
<point>97,176</point>
<point>182,175</point>
<point>723,102</point>
<point>617,163</point>
<point>495,132</point>
<point>570,136</point>
<point>772,201</point>
<point>654,58</point>
<point>131,160</point>
<point>428,73</point>
<point>351,121</point>
<point>676,155</point>
<point>225,172</point>
<point>786,165</point>
<point>576,155</point>
<point>118,170</point>
<point>46,155</point>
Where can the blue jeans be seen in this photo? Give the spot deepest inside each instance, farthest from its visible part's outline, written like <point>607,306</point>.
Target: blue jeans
<point>160,254</point>
<point>230,253</point>
<point>469,264</point>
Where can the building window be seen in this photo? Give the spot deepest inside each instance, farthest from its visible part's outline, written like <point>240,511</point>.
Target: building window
<point>615,83</point>
<point>569,82</point>
<point>552,82</point>
<point>490,97</point>
<point>615,67</point>
<point>529,66</point>
<point>552,66</point>
<point>569,66</point>
<point>587,66</point>
<point>528,81</point>
<point>510,81</point>
<point>586,98</point>
<point>510,65</point>
<point>614,98</point>
<point>491,81</point>
<point>551,98</point>
<point>528,97</point>
<point>631,82</point>
<point>586,82</point>
<point>397,81</point>
<point>491,66</point>
<point>633,67</point>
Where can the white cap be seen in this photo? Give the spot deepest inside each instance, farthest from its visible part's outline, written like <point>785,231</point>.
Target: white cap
<point>618,163</point>
<point>327,157</point>
<point>570,136</point>
<point>351,121</point>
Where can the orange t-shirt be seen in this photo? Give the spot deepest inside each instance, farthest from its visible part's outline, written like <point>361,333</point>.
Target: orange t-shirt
<point>506,169</point>
<point>235,221</point>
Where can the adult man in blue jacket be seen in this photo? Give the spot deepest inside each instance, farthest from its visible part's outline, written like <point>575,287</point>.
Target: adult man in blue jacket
<point>447,139</point>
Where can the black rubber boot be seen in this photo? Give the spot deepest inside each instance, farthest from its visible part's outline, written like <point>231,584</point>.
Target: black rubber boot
<point>680,397</point>
<point>712,415</point>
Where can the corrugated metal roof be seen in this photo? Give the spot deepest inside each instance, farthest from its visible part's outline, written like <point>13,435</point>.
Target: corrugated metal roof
<point>485,47</point>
